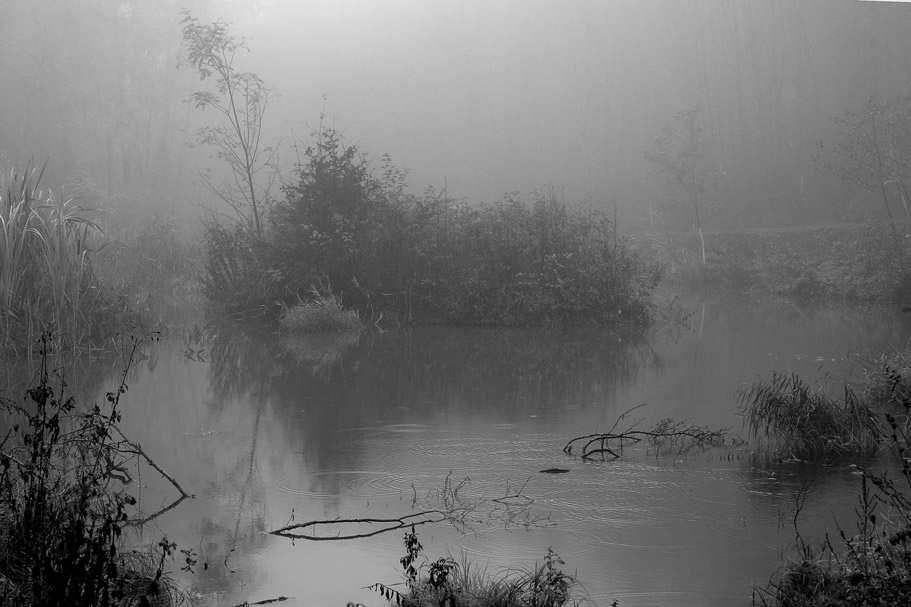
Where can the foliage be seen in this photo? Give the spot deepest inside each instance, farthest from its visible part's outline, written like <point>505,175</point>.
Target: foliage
<point>241,100</point>
<point>321,313</point>
<point>449,582</point>
<point>837,262</point>
<point>153,262</point>
<point>62,510</point>
<point>352,231</point>
<point>47,280</point>
<point>873,567</point>
<point>805,422</point>
<point>874,151</point>
<point>238,279</point>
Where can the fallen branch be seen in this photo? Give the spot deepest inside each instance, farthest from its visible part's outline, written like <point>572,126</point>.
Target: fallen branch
<point>447,504</point>
<point>681,434</point>
<point>392,525</point>
<point>263,602</point>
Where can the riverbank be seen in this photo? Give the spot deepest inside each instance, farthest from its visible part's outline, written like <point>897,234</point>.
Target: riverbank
<point>842,262</point>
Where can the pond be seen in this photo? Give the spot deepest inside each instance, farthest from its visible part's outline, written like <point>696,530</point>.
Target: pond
<point>267,430</point>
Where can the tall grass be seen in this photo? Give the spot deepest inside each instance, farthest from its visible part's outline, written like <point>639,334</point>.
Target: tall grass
<point>46,278</point>
<point>870,566</point>
<point>805,422</point>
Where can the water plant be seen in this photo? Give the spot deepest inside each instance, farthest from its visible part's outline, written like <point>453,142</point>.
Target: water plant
<point>805,422</point>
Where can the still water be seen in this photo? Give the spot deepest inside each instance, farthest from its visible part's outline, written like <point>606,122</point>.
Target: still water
<point>267,430</point>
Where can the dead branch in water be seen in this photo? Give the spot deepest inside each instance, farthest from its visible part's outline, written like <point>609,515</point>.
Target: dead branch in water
<point>667,432</point>
<point>446,504</point>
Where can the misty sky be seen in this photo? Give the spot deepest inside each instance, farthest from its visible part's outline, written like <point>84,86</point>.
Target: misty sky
<point>490,96</point>
<point>515,95</point>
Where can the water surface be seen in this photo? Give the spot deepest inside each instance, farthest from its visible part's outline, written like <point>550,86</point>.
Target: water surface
<point>267,430</point>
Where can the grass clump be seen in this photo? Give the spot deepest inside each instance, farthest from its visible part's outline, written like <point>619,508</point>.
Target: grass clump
<point>322,313</point>
<point>805,422</point>
<point>47,279</point>
<point>448,582</point>
<point>871,566</point>
<point>64,507</point>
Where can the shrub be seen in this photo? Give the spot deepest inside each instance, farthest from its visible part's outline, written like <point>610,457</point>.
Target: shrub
<point>403,257</point>
<point>238,279</point>
<point>152,262</point>
<point>62,515</point>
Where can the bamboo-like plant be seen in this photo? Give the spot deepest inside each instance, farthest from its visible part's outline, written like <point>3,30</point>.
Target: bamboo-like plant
<point>45,270</point>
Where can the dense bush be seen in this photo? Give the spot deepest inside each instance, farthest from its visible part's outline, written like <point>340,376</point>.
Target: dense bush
<point>350,230</point>
<point>151,261</point>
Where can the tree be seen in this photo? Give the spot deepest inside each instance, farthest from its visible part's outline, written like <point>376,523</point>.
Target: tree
<point>241,99</point>
<point>874,152</point>
<point>322,227</point>
<point>678,157</point>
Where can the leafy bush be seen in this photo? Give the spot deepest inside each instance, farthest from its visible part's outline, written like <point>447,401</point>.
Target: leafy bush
<point>388,253</point>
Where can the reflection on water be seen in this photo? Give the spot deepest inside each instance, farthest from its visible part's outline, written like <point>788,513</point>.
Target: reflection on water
<point>266,430</point>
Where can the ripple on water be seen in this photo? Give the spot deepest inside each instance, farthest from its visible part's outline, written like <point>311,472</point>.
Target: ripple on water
<point>524,544</point>
<point>359,483</point>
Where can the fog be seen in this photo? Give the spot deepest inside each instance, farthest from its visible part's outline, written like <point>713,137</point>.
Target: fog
<point>484,97</point>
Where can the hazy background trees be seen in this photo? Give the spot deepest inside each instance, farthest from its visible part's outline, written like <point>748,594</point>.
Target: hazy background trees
<point>486,98</point>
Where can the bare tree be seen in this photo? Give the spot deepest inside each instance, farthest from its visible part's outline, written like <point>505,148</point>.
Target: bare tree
<point>241,99</point>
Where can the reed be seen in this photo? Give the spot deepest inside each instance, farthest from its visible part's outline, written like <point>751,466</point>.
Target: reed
<point>805,422</point>
<point>46,278</point>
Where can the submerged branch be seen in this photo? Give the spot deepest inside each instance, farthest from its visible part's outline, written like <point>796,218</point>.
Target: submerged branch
<point>681,434</point>
<point>447,504</point>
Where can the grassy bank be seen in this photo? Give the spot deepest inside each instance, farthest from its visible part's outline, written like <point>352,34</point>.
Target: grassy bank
<point>849,262</point>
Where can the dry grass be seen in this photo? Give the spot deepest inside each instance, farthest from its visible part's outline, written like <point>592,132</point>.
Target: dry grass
<point>321,314</point>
